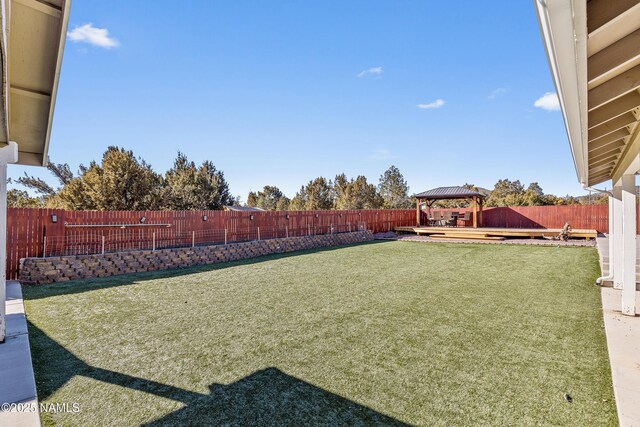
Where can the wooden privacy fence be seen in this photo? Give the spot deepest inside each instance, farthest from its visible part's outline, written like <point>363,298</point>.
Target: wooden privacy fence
<point>48,232</point>
<point>53,232</point>
<point>592,217</point>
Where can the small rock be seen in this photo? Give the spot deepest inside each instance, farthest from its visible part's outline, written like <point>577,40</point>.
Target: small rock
<point>568,398</point>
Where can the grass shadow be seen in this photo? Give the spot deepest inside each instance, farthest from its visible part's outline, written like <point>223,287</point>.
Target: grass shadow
<point>274,398</point>
<point>265,397</point>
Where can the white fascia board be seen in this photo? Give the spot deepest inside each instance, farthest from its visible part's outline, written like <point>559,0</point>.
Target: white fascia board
<point>4,66</point>
<point>563,25</point>
<point>56,80</point>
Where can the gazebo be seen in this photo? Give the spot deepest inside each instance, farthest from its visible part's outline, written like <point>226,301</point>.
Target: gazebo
<point>446,193</point>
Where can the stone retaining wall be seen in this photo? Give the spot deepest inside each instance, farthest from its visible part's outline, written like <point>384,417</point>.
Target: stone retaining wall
<point>60,269</point>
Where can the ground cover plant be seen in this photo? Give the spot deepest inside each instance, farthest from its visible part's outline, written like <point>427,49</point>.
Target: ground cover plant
<point>385,333</point>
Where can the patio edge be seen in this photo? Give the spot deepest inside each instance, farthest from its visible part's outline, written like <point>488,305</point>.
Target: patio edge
<point>18,385</point>
<point>623,347</point>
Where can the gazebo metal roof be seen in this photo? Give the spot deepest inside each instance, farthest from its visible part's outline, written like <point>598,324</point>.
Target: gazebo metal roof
<point>448,193</point>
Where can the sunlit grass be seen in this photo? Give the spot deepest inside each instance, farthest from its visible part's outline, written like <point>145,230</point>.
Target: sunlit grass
<point>380,333</point>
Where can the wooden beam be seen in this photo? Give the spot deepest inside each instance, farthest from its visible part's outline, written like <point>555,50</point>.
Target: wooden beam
<point>418,212</point>
<point>602,160</point>
<point>475,212</point>
<point>600,169</point>
<point>602,175</point>
<point>606,161</point>
<point>608,139</point>
<point>41,7</point>
<point>613,109</point>
<point>628,155</point>
<point>593,159</point>
<point>613,60</point>
<point>618,23</point>
<point>598,179</point>
<point>614,146</point>
<point>614,88</point>
<point>612,125</point>
<point>30,93</point>
<point>608,146</point>
<point>602,172</point>
<point>600,12</point>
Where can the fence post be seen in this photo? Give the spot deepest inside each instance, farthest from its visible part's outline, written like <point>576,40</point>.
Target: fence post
<point>44,247</point>
<point>258,233</point>
<point>225,236</point>
<point>286,229</point>
<point>103,245</point>
<point>308,229</point>
<point>349,225</point>
<point>193,239</point>
<point>154,241</point>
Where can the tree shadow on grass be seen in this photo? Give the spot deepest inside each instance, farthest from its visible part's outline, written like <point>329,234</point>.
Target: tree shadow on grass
<point>32,292</point>
<point>265,397</point>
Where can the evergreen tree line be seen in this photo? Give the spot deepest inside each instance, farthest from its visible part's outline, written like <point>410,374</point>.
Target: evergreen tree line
<point>391,192</point>
<point>122,181</point>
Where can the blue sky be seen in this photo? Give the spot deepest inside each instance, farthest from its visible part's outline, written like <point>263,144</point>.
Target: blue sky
<point>278,93</point>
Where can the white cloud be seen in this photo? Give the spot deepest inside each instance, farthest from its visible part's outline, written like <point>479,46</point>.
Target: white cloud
<point>87,33</point>
<point>382,154</point>
<point>549,101</point>
<point>375,71</point>
<point>432,105</point>
<point>496,92</point>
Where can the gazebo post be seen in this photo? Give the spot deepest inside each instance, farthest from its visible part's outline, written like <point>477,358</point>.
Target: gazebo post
<point>418,211</point>
<point>480,212</point>
<point>475,212</point>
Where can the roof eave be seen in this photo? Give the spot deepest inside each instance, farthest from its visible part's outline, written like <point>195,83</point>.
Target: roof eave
<point>33,39</point>
<point>564,32</point>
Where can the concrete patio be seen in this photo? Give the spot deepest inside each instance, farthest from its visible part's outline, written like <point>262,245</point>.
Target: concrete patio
<point>623,343</point>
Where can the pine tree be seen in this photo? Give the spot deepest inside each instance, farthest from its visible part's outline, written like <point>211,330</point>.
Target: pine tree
<point>188,187</point>
<point>269,199</point>
<point>21,199</point>
<point>394,189</point>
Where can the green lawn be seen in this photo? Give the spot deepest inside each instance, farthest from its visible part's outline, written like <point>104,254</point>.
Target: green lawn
<point>380,333</point>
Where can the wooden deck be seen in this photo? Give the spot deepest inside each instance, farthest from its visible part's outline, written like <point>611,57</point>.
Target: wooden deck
<point>486,233</point>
